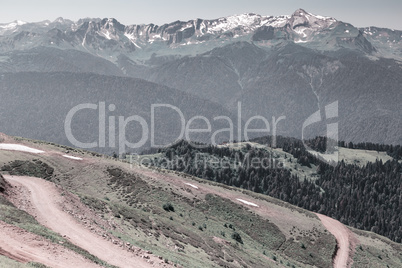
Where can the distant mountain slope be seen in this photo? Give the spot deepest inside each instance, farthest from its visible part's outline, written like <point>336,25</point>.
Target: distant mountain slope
<point>48,59</point>
<point>295,81</point>
<point>386,41</point>
<point>36,105</point>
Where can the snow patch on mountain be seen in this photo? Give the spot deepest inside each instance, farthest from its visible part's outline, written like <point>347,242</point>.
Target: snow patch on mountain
<point>72,157</point>
<point>278,21</point>
<point>246,21</point>
<point>13,24</point>
<point>19,147</point>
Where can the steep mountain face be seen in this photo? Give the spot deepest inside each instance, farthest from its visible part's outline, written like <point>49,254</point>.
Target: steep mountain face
<point>274,66</point>
<point>387,41</point>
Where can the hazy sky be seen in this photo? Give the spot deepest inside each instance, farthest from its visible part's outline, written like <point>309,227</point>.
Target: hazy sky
<point>382,13</point>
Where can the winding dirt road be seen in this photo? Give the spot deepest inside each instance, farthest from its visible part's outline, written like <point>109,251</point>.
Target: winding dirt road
<point>341,234</point>
<point>45,199</point>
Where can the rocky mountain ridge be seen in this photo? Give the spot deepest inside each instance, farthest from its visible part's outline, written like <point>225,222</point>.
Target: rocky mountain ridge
<point>109,38</point>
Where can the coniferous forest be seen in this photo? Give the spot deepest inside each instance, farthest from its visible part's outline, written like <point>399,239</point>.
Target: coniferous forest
<point>365,197</point>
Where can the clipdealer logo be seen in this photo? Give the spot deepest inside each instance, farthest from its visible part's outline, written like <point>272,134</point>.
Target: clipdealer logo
<point>331,112</point>
<point>120,123</point>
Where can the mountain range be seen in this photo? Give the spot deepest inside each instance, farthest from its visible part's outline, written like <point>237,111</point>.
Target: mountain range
<point>274,65</point>
<point>110,39</point>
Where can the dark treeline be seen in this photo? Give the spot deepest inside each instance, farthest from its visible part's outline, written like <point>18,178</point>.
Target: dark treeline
<point>365,197</point>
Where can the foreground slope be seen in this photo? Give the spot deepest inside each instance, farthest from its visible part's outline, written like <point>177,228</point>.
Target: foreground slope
<point>187,221</point>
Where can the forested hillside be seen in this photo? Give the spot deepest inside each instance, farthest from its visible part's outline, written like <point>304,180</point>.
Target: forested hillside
<point>366,197</point>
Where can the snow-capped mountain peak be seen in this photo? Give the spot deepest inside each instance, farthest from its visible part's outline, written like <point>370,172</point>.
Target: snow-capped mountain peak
<point>305,25</point>
<point>303,13</point>
<point>59,20</point>
<point>302,18</point>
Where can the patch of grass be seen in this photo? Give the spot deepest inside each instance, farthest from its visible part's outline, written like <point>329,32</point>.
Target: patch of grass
<point>258,229</point>
<point>37,265</point>
<point>373,256</point>
<point>34,168</point>
<point>94,203</point>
